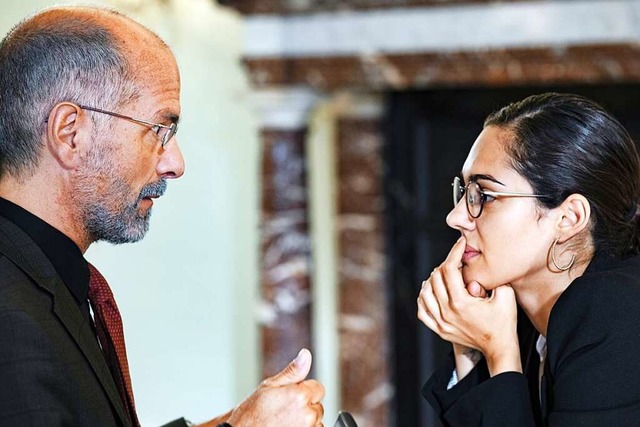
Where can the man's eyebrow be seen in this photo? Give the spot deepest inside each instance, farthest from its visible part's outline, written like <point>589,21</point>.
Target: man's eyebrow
<point>166,116</point>
<point>174,118</point>
<point>480,176</point>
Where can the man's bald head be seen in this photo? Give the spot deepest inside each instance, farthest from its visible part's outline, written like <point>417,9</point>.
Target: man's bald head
<point>83,55</point>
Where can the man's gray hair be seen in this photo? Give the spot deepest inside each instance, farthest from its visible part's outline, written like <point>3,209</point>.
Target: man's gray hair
<point>43,62</point>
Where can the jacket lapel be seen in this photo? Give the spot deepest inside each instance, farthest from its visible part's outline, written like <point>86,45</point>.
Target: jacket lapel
<point>23,252</point>
<point>546,392</point>
<point>530,358</point>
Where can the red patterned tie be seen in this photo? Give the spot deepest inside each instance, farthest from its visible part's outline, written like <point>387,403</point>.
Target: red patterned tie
<point>109,329</point>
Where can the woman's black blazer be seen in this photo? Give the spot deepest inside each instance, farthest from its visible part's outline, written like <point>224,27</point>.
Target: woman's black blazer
<point>591,373</point>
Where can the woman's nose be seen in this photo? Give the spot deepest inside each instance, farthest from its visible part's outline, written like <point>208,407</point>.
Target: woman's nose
<point>459,218</point>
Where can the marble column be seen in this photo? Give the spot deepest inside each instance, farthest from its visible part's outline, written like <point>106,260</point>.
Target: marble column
<point>285,284</point>
<point>363,321</point>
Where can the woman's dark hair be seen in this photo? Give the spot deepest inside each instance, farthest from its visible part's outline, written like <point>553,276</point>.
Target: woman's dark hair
<point>565,144</point>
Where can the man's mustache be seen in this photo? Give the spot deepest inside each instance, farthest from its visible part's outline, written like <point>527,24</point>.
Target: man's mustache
<point>154,189</point>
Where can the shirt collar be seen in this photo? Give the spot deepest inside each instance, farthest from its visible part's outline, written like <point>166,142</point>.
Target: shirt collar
<point>62,252</point>
<point>541,347</point>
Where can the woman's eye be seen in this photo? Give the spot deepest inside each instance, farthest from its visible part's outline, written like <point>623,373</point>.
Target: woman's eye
<point>488,198</point>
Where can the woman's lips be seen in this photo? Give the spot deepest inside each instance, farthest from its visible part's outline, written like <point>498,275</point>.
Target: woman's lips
<point>469,253</point>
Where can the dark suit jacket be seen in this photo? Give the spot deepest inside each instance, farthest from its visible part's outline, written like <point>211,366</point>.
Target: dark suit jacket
<point>52,371</point>
<point>591,373</point>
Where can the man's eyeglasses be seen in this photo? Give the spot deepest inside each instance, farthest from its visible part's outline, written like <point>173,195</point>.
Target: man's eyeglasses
<point>164,132</point>
<point>476,196</point>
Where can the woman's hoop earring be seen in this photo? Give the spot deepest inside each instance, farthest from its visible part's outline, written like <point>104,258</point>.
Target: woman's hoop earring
<point>553,258</point>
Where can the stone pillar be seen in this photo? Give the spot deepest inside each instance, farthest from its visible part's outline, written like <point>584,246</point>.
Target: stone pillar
<point>364,337</point>
<point>285,283</point>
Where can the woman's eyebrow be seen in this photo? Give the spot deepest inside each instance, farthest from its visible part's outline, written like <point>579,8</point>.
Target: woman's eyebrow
<point>480,176</point>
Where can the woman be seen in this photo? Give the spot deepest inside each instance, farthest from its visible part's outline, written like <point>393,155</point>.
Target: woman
<point>547,210</point>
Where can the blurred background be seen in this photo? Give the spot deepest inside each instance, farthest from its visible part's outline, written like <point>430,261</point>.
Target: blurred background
<point>321,137</point>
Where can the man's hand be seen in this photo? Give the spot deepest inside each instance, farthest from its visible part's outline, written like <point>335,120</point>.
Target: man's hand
<point>285,399</point>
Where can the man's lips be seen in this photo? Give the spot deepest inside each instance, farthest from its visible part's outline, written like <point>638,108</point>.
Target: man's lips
<point>149,199</point>
<point>146,201</point>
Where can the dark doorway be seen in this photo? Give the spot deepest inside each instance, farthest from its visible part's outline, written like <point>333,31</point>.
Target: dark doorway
<point>427,137</point>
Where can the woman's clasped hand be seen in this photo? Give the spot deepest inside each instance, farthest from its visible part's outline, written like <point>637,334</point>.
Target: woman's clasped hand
<point>540,296</point>
<point>466,315</point>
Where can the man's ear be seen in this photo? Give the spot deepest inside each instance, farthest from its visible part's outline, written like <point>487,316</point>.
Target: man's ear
<point>574,215</point>
<point>68,130</point>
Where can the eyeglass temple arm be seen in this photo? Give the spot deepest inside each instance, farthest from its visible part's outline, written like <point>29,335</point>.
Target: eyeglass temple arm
<point>122,116</point>
<point>498,193</point>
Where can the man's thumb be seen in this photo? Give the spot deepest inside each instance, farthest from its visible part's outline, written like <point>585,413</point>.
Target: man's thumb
<point>295,372</point>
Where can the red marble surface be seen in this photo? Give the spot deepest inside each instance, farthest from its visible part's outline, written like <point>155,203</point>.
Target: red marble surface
<point>598,63</point>
<point>364,339</point>
<point>285,7</point>
<point>285,250</point>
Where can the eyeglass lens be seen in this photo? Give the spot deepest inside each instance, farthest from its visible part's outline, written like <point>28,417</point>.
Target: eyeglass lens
<point>458,190</point>
<point>473,193</point>
<point>166,134</point>
<point>474,199</point>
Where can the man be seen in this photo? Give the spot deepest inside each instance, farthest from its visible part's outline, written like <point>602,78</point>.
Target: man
<point>89,105</point>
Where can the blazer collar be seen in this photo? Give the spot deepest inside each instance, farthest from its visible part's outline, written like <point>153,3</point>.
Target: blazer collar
<point>24,253</point>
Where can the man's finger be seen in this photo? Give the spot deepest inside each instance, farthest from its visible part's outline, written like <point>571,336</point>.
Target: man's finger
<point>312,415</point>
<point>314,390</point>
<point>319,410</point>
<point>295,372</point>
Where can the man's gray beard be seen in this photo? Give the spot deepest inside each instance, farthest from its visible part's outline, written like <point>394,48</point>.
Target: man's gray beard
<point>112,217</point>
<point>115,219</point>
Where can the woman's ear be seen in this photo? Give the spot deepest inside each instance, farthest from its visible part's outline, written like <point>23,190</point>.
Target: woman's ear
<point>67,131</point>
<point>575,214</point>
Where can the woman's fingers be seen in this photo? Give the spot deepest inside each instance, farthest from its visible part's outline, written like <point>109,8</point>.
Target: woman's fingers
<point>463,313</point>
<point>450,269</point>
<point>425,317</point>
<point>438,316</point>
<point>431,302</point>
<point>428,309</point>
<point>504,295</point>
<point>434,302</point>
<point>476,290</point>
<point>439,288</point>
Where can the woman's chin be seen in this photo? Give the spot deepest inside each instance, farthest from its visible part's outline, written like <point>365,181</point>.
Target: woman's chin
<point>483,280</point>
<point>469,276</point>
